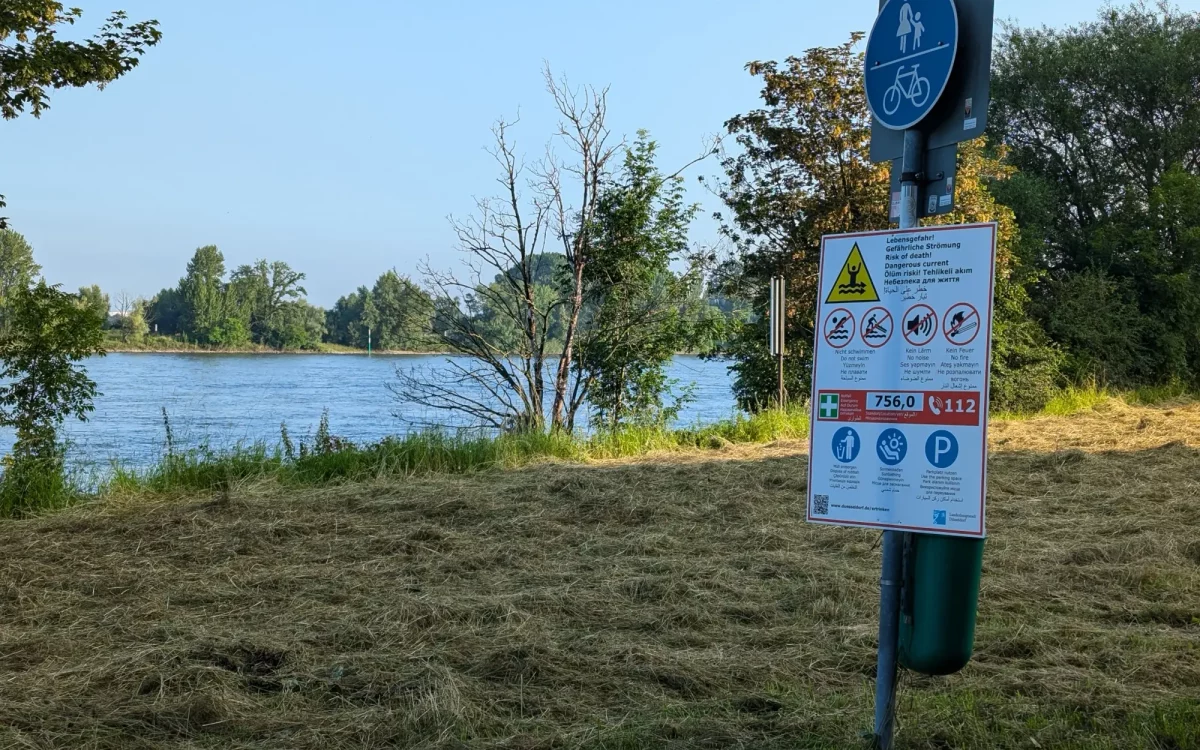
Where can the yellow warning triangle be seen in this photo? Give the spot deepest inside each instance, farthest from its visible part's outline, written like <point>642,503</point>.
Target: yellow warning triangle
<point>854,283</point>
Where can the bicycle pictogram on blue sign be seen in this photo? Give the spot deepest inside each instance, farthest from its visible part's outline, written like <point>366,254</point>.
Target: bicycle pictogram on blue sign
<point>909,59</point>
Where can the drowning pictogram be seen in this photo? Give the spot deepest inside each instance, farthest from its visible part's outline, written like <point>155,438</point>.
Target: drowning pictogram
<point>877,327</point>
<point>961,324</point>
<point>839,328</point>
<point>853,283</point>
<point>920,325</point>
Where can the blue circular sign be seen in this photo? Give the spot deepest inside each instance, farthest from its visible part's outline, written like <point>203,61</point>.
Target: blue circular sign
<point>892,446</point>
<point>909,58</point>
<point>942,449</point>
<point>846,445</point>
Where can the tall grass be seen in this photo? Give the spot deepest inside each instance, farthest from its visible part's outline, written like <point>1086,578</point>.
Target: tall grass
<point>1087,396</point>
<point>330,459</point>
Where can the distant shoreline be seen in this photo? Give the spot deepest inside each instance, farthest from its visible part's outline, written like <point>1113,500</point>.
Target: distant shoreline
<point>361,352</point>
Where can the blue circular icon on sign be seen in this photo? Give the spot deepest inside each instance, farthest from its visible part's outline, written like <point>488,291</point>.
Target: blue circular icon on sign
<point>846,445</point>
<point>942,449</point>
<point>892,446</point>
<point>909,58</point>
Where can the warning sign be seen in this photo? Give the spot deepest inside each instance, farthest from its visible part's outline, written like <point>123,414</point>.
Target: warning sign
<point>900,386</point>
<point>854,283</point>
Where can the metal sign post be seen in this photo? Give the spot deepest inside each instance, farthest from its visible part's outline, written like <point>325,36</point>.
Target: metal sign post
<point>909,64</point>
<point>778,321</point>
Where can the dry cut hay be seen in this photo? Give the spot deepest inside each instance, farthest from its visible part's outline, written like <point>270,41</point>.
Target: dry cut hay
<point>677,601</point>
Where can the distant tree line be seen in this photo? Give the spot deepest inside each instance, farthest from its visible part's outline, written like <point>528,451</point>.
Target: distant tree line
<point>263,304</point>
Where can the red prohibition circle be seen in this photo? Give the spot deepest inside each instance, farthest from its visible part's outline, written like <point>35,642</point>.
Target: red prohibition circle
<point>966,312</point>
<point>887,315</point>
<point>841,321</point>
<point>915,321</point>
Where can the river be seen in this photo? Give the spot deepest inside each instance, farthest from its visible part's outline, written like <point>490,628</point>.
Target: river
<point>223,399</point>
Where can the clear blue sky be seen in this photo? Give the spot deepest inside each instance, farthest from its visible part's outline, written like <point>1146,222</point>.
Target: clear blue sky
<point>339,136</point>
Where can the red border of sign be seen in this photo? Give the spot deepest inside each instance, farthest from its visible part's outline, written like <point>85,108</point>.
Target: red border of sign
<point>853,324</point>
<point>936,324</point>
<point>946,319</point>
<point>863,334</point>
<point>987,384</point>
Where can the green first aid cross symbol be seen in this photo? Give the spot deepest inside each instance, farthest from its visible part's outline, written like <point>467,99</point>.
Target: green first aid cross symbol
<point>828,406</point>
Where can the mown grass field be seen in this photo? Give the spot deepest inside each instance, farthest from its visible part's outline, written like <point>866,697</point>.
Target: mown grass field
<point>675,600</point>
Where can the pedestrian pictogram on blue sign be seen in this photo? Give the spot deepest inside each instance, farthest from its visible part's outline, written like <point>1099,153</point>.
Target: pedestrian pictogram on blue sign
<point>909,59</point>
<point>942,449</point>
<point>846,445</point>
<point>892,446</point>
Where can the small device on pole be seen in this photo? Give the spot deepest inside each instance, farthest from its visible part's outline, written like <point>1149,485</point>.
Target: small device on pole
<point>778,321</point>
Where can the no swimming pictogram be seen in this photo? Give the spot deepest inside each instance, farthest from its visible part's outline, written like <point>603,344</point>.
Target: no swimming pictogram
<point>839,328</point>
<point>853,283</point>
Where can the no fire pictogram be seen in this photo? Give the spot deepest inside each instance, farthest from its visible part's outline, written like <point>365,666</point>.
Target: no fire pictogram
<point>853,283</point>
<point>961,324</point>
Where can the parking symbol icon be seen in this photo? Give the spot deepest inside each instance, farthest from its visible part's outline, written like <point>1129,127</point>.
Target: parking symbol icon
<point>942,449</point>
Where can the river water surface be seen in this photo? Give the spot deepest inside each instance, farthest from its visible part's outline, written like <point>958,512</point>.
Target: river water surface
<point>223,399</point>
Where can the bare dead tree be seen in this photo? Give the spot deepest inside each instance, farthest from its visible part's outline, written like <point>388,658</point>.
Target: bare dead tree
<point>503,380</point>
<point>583,128</point>
<point>124,302</point>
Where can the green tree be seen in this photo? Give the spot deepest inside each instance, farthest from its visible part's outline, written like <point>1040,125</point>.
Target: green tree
<point>17,272</point>
<point>299,325</point>
<point>344,321</point>
<point>263,289</point>
<point>43,385</point>
<point>133,325</point>
<point>1108,196</point>
<point>167,312</point>
<point>34,60</point>
<point>403,312</point>
<point>804,171</point>
<point>203,293</point>
<point>634,319</point>
<point>97,301</point>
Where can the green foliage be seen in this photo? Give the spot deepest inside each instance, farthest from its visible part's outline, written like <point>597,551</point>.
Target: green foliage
<point>134,326</point>
<point>230,332</point>
<point>39,60</point>
<point>397,312</point>
<point>261,294</point>
<point>17,272</point>
<point>347,321</point>
<point>1108,198</point>
<point>802,171</point>
<point>203,293</point>
<point>635,302</point>
<point>50,334</point>
<point>402,312</point>
<point>805,171</point>
<point>167,311</point>
<point>97,301</point>
<point>297,325</point>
